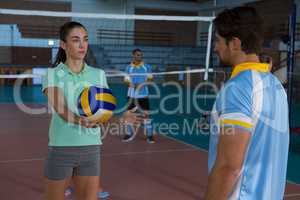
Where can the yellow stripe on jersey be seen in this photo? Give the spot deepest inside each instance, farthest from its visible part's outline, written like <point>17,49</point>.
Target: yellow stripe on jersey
<point>235,123</point>
<point>138,64</point>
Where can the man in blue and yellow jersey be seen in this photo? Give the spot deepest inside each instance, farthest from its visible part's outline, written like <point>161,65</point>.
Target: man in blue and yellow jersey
<point>249,138</point>
<point>137,79</point>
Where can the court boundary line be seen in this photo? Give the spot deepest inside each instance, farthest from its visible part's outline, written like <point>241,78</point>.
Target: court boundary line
<point>293,183</point>
<point>290,195</point>
<point>185,143</point>
<point>106,155</point>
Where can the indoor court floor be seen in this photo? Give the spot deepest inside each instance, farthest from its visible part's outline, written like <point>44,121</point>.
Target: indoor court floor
<point>168,169</point>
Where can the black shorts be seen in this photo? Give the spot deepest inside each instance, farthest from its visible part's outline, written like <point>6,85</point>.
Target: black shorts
<point>141,103</point>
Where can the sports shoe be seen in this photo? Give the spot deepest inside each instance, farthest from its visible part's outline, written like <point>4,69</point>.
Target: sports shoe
<point>68,191</point>
<point>128,138</point>
<point>103,195</point>
<point>150,139</point>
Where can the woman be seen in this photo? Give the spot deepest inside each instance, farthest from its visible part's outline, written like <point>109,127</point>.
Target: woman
<point>74,142</point>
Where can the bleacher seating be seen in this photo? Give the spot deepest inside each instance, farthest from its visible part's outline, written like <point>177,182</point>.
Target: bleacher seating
<point>115,46</point>
<point>162,57</point>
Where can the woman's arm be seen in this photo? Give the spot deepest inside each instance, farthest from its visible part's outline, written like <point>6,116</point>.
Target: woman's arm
<point>57,100</point>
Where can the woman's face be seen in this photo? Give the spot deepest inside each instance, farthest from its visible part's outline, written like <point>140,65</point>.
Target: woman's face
<point>76,44</point>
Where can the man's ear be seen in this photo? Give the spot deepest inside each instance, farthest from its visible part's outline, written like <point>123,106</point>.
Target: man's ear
<point>62,44</point>
<point>235,44</point>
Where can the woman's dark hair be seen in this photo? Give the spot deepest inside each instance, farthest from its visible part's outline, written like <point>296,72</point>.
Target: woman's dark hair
<point>244,23</point>
<point>63,33</point>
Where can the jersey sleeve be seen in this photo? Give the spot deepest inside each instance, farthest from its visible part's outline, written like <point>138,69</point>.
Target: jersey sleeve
<point>49,79</point>
<point>103,77</point>
<point>149,71</point>
<point>127,77</point>
<point>236,106</point>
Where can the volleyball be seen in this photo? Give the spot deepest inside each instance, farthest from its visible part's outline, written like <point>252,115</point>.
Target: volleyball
<point>97,104</point>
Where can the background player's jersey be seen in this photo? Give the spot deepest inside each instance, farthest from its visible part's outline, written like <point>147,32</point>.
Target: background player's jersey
<point>138,90</point>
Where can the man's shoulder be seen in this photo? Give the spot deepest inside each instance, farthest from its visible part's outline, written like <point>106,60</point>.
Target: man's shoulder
<point>147,65</point>
<point>129,66</point>
<point>238,86</point>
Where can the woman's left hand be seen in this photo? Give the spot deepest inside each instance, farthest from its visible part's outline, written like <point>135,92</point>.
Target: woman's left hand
<point>131,117</point>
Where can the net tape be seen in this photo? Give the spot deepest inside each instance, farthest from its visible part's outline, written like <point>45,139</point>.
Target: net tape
<point>114,74</point>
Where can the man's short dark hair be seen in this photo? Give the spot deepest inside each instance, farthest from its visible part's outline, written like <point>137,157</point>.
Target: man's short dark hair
<point>265,58</point>
<point>244,23</point>
<point>136,50</point>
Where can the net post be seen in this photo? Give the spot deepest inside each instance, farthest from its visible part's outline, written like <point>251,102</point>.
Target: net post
<point>208,50</point>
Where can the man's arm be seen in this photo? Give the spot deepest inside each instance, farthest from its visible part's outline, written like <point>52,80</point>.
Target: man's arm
<point>149,76</point>
<point>233,144</point>
<point>127,78</point>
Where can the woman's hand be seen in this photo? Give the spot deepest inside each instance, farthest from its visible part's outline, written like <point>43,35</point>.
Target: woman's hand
<point>131,117</point>
<point>83,121</point>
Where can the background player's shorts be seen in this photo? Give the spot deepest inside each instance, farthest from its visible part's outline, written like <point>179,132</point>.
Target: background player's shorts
<point>141,103</point>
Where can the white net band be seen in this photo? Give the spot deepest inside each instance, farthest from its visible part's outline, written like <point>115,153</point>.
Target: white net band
<point>103,16</point>
<point>110,74</point>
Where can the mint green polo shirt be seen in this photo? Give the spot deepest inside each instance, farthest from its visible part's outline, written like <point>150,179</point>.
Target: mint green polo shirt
<point>61,132</point>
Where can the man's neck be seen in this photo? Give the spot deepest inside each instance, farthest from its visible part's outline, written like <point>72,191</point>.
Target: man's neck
<point>136,62</point>
<point>244,58</point>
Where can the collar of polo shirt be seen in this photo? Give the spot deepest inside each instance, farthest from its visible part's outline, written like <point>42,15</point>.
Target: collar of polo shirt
<point>68,70</point>
<point>261,67</point>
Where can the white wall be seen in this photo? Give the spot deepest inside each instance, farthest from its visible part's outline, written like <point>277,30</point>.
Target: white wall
<point>204,6</point>
<point>101,6</point>
<point>117,7</point>
<point>233,2</point>
<point>10,36</point>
